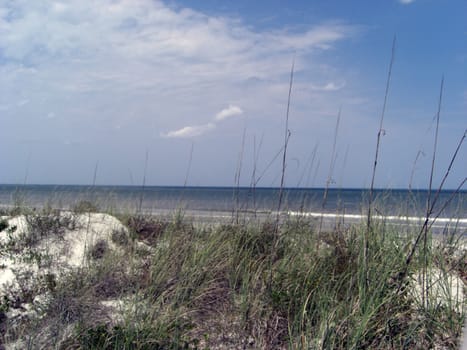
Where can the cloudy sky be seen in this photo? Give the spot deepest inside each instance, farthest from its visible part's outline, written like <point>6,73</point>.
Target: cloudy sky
<point>201,87</point>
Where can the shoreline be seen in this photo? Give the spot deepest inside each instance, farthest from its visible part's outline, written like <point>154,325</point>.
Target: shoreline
<point>329,220</point>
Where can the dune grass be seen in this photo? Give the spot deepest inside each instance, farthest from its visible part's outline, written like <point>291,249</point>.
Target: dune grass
<point>175,285</point>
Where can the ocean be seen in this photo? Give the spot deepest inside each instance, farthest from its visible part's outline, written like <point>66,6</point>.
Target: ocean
<point>218,202</point>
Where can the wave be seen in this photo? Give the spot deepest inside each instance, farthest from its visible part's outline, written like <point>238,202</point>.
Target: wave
<point>397,218</point>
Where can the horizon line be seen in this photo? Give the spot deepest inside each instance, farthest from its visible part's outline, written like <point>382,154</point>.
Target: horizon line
<point>235,187</point>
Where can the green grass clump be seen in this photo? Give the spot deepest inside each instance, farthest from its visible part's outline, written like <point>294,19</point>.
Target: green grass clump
<point>47,222</point>
<point>85,206</point>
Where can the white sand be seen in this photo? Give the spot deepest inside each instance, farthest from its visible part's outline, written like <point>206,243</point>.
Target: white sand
<point>444,288</point>
<point>64,252</point>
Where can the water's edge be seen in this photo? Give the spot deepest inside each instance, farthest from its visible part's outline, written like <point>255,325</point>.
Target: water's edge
<point>221,204</point>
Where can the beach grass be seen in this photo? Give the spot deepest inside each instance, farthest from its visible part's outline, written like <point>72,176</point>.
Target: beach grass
<point>175,285</point>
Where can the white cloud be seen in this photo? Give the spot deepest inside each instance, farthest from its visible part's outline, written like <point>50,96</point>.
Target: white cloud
<point>150,33</point>
<point>190,131</point>
<point>332,86</point>
<point>322,37</point>
<point>228,112</point>
<point>22,102</point>
<point>144,65</point>
<point>405,2</point>
<point>124,59</point>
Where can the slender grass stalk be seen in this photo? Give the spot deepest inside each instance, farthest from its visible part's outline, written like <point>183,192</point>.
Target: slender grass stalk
<point>286,142</point>
<point>331,170</point>
<point>187,174</point>
<point>88,224</point>
<point>190,159</point>
<point>130,175</point>
<point>426,224</point>
<point>268,166</point>
<point>26,173</point>
<point>414,165</point>
<point>238,173</point>
<point>344,165</point>
<point>315,175</point>
<point>446,203</point>
<point>256,152</point>
<point>308,167</point>
<point>428,203</point>
<point>340,207</point>
<point>143,185</point>
<point>410,194</point>
<point>281,189</point>
<point>451,163</point>
<point>435,147</point>
<point>253,176</point>
<point>381,133</point>
<point>307,170</point>
<point>19,196</point>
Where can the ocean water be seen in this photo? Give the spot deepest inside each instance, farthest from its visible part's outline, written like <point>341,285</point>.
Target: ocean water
<point>223,201</point>
<point>155,198</point>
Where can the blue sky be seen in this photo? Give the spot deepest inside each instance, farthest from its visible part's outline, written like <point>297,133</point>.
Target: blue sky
<point>104,82</point>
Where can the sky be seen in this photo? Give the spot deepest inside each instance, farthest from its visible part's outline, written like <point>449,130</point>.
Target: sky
<point>91,89</point>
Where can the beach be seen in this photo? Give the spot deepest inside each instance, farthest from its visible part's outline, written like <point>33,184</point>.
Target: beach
<point>224,204</point>
<point>152,270</point>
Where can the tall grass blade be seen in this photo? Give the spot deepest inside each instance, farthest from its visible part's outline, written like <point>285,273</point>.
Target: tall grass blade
<point>378,143</point>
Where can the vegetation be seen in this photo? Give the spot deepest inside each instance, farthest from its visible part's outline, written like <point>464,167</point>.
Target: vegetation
<point>247,286</point>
